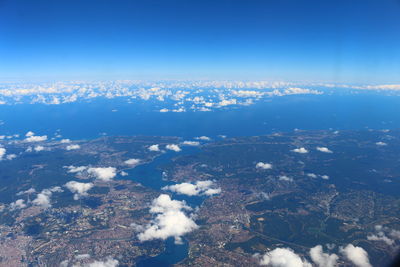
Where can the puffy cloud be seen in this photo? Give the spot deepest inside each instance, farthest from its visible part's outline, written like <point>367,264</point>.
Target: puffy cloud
<point>299,91</point>
<point>43,199</point>
<point>204,138</point>
<point>300,150</point>
<point>381,235</point>
<point>247,93</point>
<point>10,156</point>
<point>190,143</point>
<point>226,102</point>
<point>2,152</point>
<point>79,189</point>
<point>264,166</point>
<point>39,148</point>
<point>132,162</point>
<point>28,191</point>
<point>381,144</point>
<point>324,149</point>
<point>357,255</point>
<point>65,141</point>
<point>154,148</point>
<point>196,189</point>
<point>283,257</point>
<point>164,110</point>
<point>170,221</point>
<point>18,204</point>
<point>325,177</point>
<point>322,259</point>
<point>103,173</point>
<point>73,147</point>
<point>30,133</point>
<point>173,147</point>
<point>34,138</point>
<point>75,169</point>
<point>110,262</point>
<point>285,178</point>
<point>312,175</point>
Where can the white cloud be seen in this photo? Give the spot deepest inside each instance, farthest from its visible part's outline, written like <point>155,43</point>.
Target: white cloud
<point>322,259</point>
<point>10,156</point>
<point>173,147</point>
<point>110,262</point>
<point>381,144</point>
<point>65,141</point>
<point>357,255</point>
<point>18,204</point>
<point>154,148</point>
<point>300,150</point>
<point>73,147</point>
<point>122,173</point>
<point>103,173</point>
<point>312,175</point>
<point>247,93</point>
<point>39,148</point>
<point>204,138</point>
<point>79,189</point>
<point>2,152</point>
<point>324,149</point>
<point>285,178</point>
<point>164,110</point>
<point>170,220</point>
<point>43,199</point>
<point>190,143</point>
<point>30,133</point>
<point>283,257</point>
<point>325,177</point>
<point>196,189</point>
<point>34,138</point>
<point>226,102</point>
<point>132,162</point>
<point>264,166</point>
<point>381,235</point>
<point>75,169</point>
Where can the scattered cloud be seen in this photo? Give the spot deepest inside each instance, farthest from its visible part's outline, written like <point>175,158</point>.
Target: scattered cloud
<point>2,152</point>
<point>264,166</point>
<point>65,141</point>
<point>39,148</point>
<point>198,188</point>
<point>322,259</point>
<point>110,262</point>
<point>285,178</point>
<point>357,255</point>
<point>132,162</point>
<point>203,138</point>
<point>170,220</point>
<point>283,257</point>
<point>103,173</point>
<point>381,143</point>
<point>300,150</point>
<point>79,189</point>
<point>154,148</point>
<point>324,149</point>
<point>33,138</point>
<point>18,204</point>
<point>43,199</point>
<point>73,147</point>
<point>75,169</point>
<point>190,143</point>
<point>173,147</point>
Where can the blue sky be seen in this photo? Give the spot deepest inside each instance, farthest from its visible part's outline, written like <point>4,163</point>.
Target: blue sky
<point>335,41</point>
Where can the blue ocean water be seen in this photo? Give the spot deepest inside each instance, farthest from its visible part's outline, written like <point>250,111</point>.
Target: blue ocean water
<point>88,120</point>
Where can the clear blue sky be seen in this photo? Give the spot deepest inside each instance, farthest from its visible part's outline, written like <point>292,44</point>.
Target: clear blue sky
<point>321,40</point>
